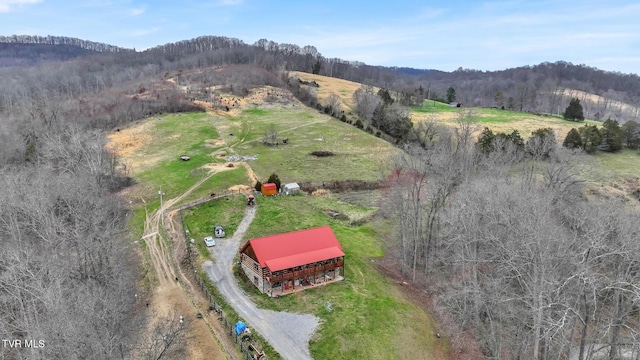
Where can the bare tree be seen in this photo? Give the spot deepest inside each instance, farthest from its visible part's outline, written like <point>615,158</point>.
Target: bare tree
<point>270,136</point>
<point>366,101</point>
<point>333,105</point>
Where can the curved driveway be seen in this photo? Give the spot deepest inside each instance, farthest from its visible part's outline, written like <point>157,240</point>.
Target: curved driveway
<point>287,333</point>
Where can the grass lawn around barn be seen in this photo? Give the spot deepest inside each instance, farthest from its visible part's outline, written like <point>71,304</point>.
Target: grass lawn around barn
<point>363,316</point>
<point>200,220</point>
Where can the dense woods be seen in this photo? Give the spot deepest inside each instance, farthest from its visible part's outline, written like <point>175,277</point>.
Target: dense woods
<point>513,251</point>
<point>498,230</point>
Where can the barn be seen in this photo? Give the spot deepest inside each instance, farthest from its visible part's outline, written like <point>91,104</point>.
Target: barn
<point>269,189</point>
<point>285,263</point>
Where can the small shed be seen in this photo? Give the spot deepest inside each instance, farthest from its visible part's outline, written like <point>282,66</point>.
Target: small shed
<point>269,189</point>
<point>291,188</point>
<point>218,231</point>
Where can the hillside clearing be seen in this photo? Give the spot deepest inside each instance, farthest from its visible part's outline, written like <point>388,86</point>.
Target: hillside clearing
<point>501,120</point>
<point>330,86</point>
<point>358,155</point>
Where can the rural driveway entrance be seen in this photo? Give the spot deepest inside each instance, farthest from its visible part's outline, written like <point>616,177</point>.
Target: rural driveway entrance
<point>287,333</point>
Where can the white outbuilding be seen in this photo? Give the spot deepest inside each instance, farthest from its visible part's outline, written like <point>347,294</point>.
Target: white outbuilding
<point>290,189</point>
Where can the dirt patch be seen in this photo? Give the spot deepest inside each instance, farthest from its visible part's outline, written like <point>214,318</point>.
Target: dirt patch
<point>215,143</point>
<point>219,153</point>
<point>242,188</point>
<point>126,142</point>
<point>217,167</point>
<point>321,153</point>
<point>624,190</point>
<point>252,175</point>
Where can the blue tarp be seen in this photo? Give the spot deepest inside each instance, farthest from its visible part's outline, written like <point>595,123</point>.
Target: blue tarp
<point>240,327</point>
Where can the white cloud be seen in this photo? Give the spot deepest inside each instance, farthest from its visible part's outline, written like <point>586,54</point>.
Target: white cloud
<point>137,11</point>
<point>10,5</point>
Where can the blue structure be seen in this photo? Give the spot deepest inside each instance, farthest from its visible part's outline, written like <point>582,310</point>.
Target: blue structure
<point>240,327</point>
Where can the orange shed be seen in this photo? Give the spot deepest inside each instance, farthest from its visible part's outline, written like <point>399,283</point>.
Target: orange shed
<point>269,189</point>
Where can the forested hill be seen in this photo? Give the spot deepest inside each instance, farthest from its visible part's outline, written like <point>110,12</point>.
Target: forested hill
<point>27,50</point>
<point>542,88</point>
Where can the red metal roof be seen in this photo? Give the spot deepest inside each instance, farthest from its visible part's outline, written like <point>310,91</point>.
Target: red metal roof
<point>270,186</point>
<point>283,251</point>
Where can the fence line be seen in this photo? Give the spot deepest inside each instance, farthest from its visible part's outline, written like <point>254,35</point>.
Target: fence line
<point>244,341</point>
<point>213,196</point>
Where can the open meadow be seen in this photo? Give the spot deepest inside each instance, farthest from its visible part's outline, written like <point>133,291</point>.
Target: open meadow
<point>497,120</point>
<point>356,154</point>
<point>150,151</point>
<point>366,315</point>
<point>369,317</point>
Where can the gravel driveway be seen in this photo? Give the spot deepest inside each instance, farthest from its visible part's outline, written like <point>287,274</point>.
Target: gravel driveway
<point>287,333</point>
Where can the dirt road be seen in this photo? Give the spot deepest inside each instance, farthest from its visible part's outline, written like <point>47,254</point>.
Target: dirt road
<point>288,333</point>
<point>175,291</point>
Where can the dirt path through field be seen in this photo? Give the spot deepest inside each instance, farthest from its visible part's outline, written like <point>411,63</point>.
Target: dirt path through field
<point>176,291</point>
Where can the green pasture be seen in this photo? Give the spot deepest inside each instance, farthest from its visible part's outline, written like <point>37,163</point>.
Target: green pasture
<point>623,164</point>
<point>200,220</point>
<point>368,317</point>
<point>499,120</point>
<point>357,155</point>
<point>431,106</point>
<point>172,135</point>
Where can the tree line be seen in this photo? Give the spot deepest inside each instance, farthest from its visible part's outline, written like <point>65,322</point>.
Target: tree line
<point>510,247</point>
<point>544,88</point>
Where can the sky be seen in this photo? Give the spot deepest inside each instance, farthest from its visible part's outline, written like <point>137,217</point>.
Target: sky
<point>442,35</point>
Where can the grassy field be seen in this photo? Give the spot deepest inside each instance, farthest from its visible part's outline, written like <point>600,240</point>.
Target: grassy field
<point>329,86</point>
<point>200,220</point>
<point>357,155</point>
<point>150,149</point>
<point>621,165</point>
<point>370,317</point>
<point>498,120</point>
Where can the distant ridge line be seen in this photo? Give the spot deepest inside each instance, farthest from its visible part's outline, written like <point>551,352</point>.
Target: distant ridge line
<point>61,40</point>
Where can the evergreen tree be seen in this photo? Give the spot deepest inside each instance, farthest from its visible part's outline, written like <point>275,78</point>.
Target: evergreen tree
<point>516,139</point>
<point>485,141</point>
<point>274,179</point>
<point>612,135</point>
<point>591,138</point>
<point>499,100</point>
<point>315,69</point>
<point>631,134</point>
<point>572,140</point>
<point>574,111</point>
<point>511,103</point>
<point>385,96</point>
<point>451,94</point>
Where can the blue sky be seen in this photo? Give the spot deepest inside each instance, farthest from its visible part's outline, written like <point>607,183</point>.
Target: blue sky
<point>443,35</point>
